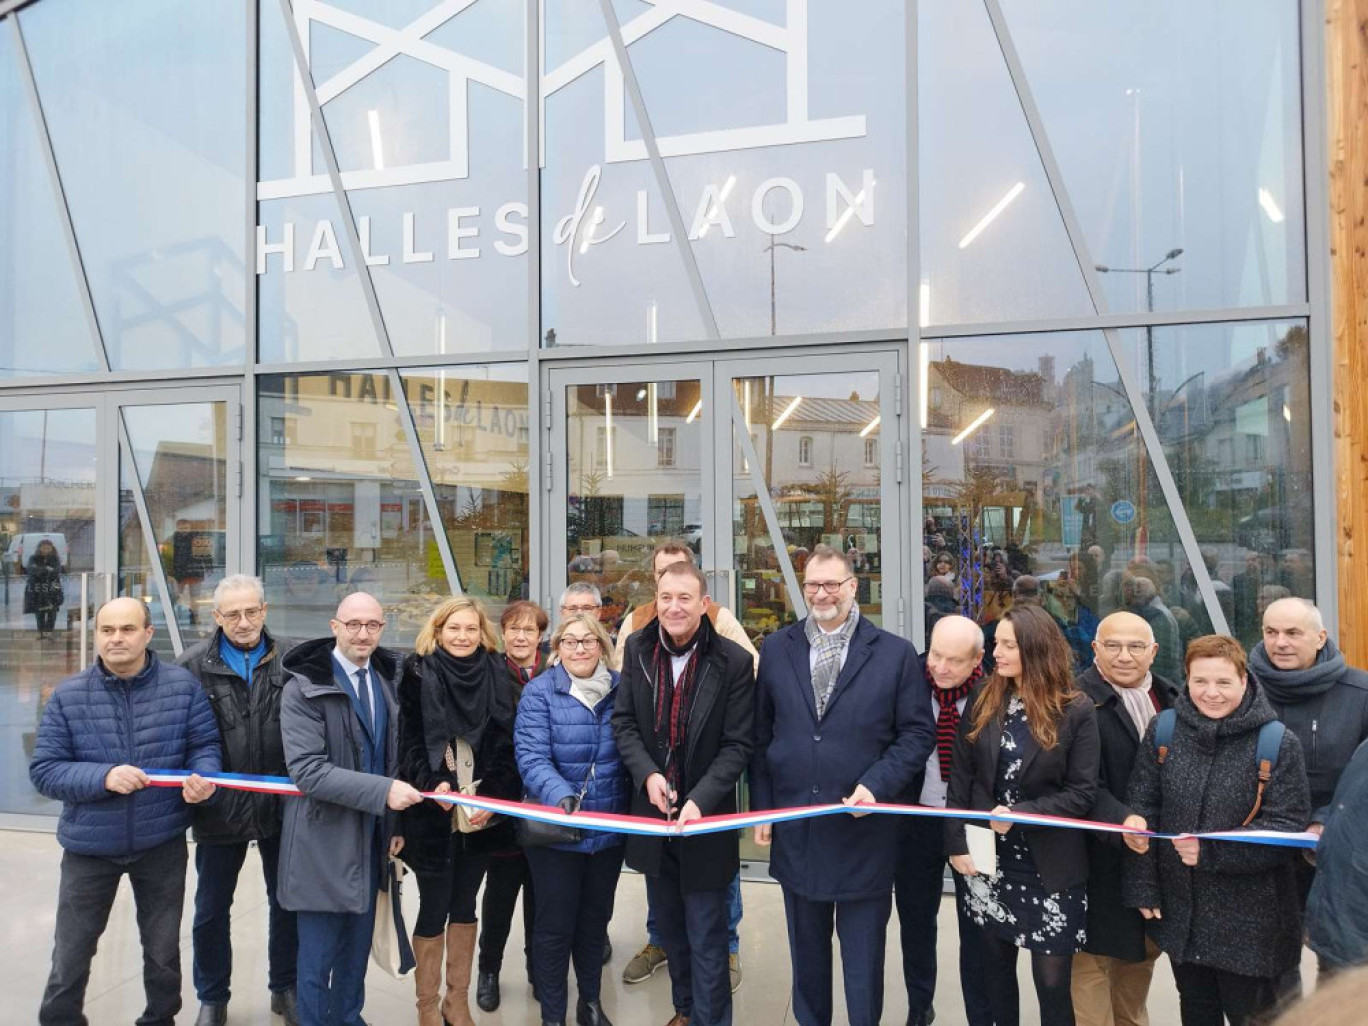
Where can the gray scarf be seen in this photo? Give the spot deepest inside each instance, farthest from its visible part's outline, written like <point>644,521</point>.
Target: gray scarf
<point>590,690</point>
<point>828,648</point>
<point>1289,686</point>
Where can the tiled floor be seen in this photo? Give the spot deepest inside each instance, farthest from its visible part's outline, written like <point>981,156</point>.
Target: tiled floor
<point>29,867</point>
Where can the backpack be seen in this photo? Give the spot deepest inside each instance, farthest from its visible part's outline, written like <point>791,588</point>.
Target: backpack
<point>1265,753</point>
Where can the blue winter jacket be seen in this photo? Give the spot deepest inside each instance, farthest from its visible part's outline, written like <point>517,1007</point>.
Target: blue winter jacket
<point>95,721</point>
<point>557,740</point>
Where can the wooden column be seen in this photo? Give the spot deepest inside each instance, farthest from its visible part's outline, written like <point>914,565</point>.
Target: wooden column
<point>1347,74</point>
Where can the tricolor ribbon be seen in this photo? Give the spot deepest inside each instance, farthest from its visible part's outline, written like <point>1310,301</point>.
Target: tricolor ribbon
<point>648,827</point>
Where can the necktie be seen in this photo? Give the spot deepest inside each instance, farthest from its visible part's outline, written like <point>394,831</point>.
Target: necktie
<point>364,696</point>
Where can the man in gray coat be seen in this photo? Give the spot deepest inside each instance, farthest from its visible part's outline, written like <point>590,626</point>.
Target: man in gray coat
<point>338,722</point>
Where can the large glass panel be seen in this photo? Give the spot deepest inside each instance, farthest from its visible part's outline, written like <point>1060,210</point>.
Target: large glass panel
<point>1177,126</point>
<point>1037,488</point>
<point>42,329</point>
<point>180,458</point>
<point>146,102</point>
<point>783,140</point>
<point>818,440</point>
<point>993,246</point>
<point>47,542</point>
<point>1231,403</point>
<point>429,134</point>
<point>633,452</point>
<point>472,422</point>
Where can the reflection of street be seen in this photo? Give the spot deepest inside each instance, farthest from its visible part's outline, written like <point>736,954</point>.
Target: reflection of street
<point>29,669</point>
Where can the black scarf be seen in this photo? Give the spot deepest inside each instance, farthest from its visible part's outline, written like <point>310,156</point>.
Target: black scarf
<point>1291,686</point>
<point>460,698</point>
<point>674,698</point>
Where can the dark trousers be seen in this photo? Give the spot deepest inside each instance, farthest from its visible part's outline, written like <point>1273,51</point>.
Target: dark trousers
<point>217,866</point>
<point>85,896</point>
<point>862,926</point>
<point>447,895</point>
<point>917,888</point>
<point>575,894</point>
<point>1051,974</point>
<point>333,949</point>
<point>505,876</point>
<point>47,619</point>
<point>1209,997</point>
<point>693,927</point>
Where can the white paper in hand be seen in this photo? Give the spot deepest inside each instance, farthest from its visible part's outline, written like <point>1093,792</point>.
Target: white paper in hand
<point>982,849</point>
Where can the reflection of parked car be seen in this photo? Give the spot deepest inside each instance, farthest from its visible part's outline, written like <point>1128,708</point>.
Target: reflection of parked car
<point>693,535</point>
<point>22,546</point>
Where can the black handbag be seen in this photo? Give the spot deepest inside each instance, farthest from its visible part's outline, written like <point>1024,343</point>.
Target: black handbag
<point>534,833</point>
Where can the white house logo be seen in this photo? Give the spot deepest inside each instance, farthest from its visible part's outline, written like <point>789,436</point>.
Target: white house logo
<point>510,219</point>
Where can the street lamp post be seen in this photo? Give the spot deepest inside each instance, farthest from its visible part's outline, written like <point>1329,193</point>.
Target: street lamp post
<point>774,321</point>
<point>1142,528</point>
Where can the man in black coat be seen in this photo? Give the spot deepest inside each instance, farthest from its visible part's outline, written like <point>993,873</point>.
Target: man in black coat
<point>240,669</point>
<point>842,713</point>
<point>683,723</point>
<point>1321,698</point>
<point>1111,975</point>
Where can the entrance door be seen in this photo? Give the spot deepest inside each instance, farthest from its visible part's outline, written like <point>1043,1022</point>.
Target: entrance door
<point>115,493</point>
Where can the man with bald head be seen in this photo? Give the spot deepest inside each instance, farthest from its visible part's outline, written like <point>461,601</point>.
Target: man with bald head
<point>338,723</point>
<point>101,731</point>
<point>1111,975</point>
<point>1321,698</point>
<point>953,665</point>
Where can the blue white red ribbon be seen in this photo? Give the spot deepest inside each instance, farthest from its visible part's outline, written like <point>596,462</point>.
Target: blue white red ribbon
<point>649,827</point>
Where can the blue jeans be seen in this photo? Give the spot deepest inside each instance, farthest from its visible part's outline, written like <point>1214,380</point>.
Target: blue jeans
<point>734,913</point>
<point>218,866</point>
<point>333,951</point>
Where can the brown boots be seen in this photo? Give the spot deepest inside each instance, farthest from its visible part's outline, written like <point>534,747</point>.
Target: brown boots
<point>460,959</point>
<point>427,978</point>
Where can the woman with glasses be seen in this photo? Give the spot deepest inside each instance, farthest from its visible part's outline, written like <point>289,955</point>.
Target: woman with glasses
<point>523,623</point>
<point>568,758</point>
<point>1027,743</point>
<point>1227,913</point>
<point>456,711</point>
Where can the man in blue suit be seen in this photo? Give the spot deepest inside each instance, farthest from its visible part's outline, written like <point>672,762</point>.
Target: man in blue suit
<point>842,712</point>
<point>338,722</point>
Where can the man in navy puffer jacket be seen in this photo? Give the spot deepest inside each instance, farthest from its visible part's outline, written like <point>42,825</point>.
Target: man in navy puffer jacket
<point>101,730</point>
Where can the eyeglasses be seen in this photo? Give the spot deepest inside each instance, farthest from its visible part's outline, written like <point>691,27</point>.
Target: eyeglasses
<point>572,610</point>
<point>570,644</point>
<point>526,632</point>
<point>356,626</point>
<point>239,615</point>
<point>1135,648</point>
<point>830,587</point>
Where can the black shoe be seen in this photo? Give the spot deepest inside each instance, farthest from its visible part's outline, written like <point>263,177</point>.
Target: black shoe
<point>607,950</point>
<point>590,1013</point>
<point>925,1018</point>
<point>212,1015</point>
<point>283,1004</point>
<point>487,992</point>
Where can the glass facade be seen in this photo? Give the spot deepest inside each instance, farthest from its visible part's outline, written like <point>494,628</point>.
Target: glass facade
<point>418,297</point>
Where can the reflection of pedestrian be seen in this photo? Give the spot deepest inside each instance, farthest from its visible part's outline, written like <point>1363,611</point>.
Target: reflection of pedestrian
<point>1087,507</point>
<point>188,566</point>
<point>43,592</point>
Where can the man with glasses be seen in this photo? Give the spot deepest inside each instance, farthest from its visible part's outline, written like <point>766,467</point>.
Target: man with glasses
<point>338,723</point>
<point>1111,975</point>
<point>842,713</point>
<point>682,722</point>
<point>651,957</point>
<point>580,597</point>
<point>241,669</point>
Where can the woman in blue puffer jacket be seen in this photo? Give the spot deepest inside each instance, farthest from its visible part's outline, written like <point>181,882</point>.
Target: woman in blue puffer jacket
<point>567,757</point>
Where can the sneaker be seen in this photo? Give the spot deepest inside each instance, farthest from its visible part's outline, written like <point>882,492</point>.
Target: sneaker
<point>644,964</point>
<point>734,969</point>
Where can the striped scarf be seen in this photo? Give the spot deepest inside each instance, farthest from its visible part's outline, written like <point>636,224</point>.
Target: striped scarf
<point>948,719</point>
<point>829,649</point>
<point>674,698</point>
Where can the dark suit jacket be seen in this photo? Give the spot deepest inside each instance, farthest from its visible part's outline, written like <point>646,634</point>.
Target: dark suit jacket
<point>1058,782</point>
<point>878,731</point>
<point>718,743</point>
<point>1113,929</point>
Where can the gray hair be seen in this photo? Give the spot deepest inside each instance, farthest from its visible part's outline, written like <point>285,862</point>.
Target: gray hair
<point>822,551</point>
<point>239,582</point>
<point>1312,612</point>
<point>582,588</point>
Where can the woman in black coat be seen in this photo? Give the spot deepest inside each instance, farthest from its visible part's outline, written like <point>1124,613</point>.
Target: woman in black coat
<point>1028,743</point>
<point>454,688</point>
<point>523,625</point>
<point>43,591</point>
<point>1226,912</point>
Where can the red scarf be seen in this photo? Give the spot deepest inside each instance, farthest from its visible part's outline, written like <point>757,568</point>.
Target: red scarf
<point>948,719</point>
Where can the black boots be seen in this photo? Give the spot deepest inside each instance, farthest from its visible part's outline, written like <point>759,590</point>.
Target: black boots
<point>487,992</point>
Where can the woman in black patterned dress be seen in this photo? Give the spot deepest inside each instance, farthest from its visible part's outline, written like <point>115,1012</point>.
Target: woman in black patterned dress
<point>1029,745</point>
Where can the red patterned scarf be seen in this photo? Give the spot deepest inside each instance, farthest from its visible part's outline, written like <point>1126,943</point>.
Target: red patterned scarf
<point>948,719</point>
